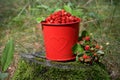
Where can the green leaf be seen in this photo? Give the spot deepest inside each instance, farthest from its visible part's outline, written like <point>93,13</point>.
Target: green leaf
<point>84,33</point>
<point>100,52</point>
<point>77,12</point>
<point>89,53</point>
<point>77,49</point>
<point>39,19</point>
<point>3,76</point>
<point>74,49</point>
<point>68,8</point>
<point>81,54</point>
<point>80,38</point>
<point>7,55</point>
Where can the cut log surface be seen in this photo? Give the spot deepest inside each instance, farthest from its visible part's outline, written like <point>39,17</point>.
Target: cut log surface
<point>39,58</point>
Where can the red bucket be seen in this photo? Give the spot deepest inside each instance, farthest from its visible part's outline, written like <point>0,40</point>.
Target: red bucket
<point>59,39</point>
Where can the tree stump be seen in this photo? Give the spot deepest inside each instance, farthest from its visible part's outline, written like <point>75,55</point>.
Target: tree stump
<point>36,67</point>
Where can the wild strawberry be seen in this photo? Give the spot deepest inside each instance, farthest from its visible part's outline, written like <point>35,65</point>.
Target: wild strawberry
<point>87,38</point>
<point>83,38</point>
<point>51,21</point>
<point>97,46</point>
<point>65,13</point>
<point>78,19</point>
<point>61,17</point>
<point>87,47</point>
<point>95,54</point>
<point>85,56</point>
<point>81,42</point>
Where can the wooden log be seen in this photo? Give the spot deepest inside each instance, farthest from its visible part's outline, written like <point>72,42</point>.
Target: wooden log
<point>36,67</point>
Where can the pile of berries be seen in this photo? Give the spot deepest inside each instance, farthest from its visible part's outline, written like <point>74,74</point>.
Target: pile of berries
<point>61,17</point>
<point>87,50</point>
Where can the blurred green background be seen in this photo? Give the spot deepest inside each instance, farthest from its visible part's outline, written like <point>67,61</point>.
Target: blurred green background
<point>18,19</point>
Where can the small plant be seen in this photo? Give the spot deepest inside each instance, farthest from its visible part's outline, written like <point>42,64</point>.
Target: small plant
<point>75,12</point>
<point>87,50</point>
<point>6,58</point>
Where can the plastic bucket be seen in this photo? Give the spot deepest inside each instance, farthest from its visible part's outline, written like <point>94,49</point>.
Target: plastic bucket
<point>59,40</point>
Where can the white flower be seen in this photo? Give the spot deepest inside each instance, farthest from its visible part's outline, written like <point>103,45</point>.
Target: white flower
<point>91,34</point>
<point>107,43</point>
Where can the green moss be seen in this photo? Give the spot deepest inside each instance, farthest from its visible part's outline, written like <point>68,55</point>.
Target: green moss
<point>33,71</point>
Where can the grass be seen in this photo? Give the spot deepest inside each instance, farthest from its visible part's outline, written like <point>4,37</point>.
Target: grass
<point>101,18</point>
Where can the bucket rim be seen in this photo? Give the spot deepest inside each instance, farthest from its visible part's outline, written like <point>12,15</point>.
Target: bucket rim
<point>53,24</point>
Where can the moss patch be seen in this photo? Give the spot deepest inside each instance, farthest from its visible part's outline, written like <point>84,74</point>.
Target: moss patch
<point>34,71</point>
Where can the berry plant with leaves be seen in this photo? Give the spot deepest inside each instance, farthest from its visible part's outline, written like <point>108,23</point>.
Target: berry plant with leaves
<point>87,50</point>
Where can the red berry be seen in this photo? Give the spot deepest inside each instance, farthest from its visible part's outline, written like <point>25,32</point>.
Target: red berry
<point>68,14</point>
<point>87,38</point>
<point>61,17</point>
<point>97,46</point>
<point>51,21</point>
<point>87,47</point>
<point>85,56</point>
<point>95,54</point>
<point>83,38</point>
